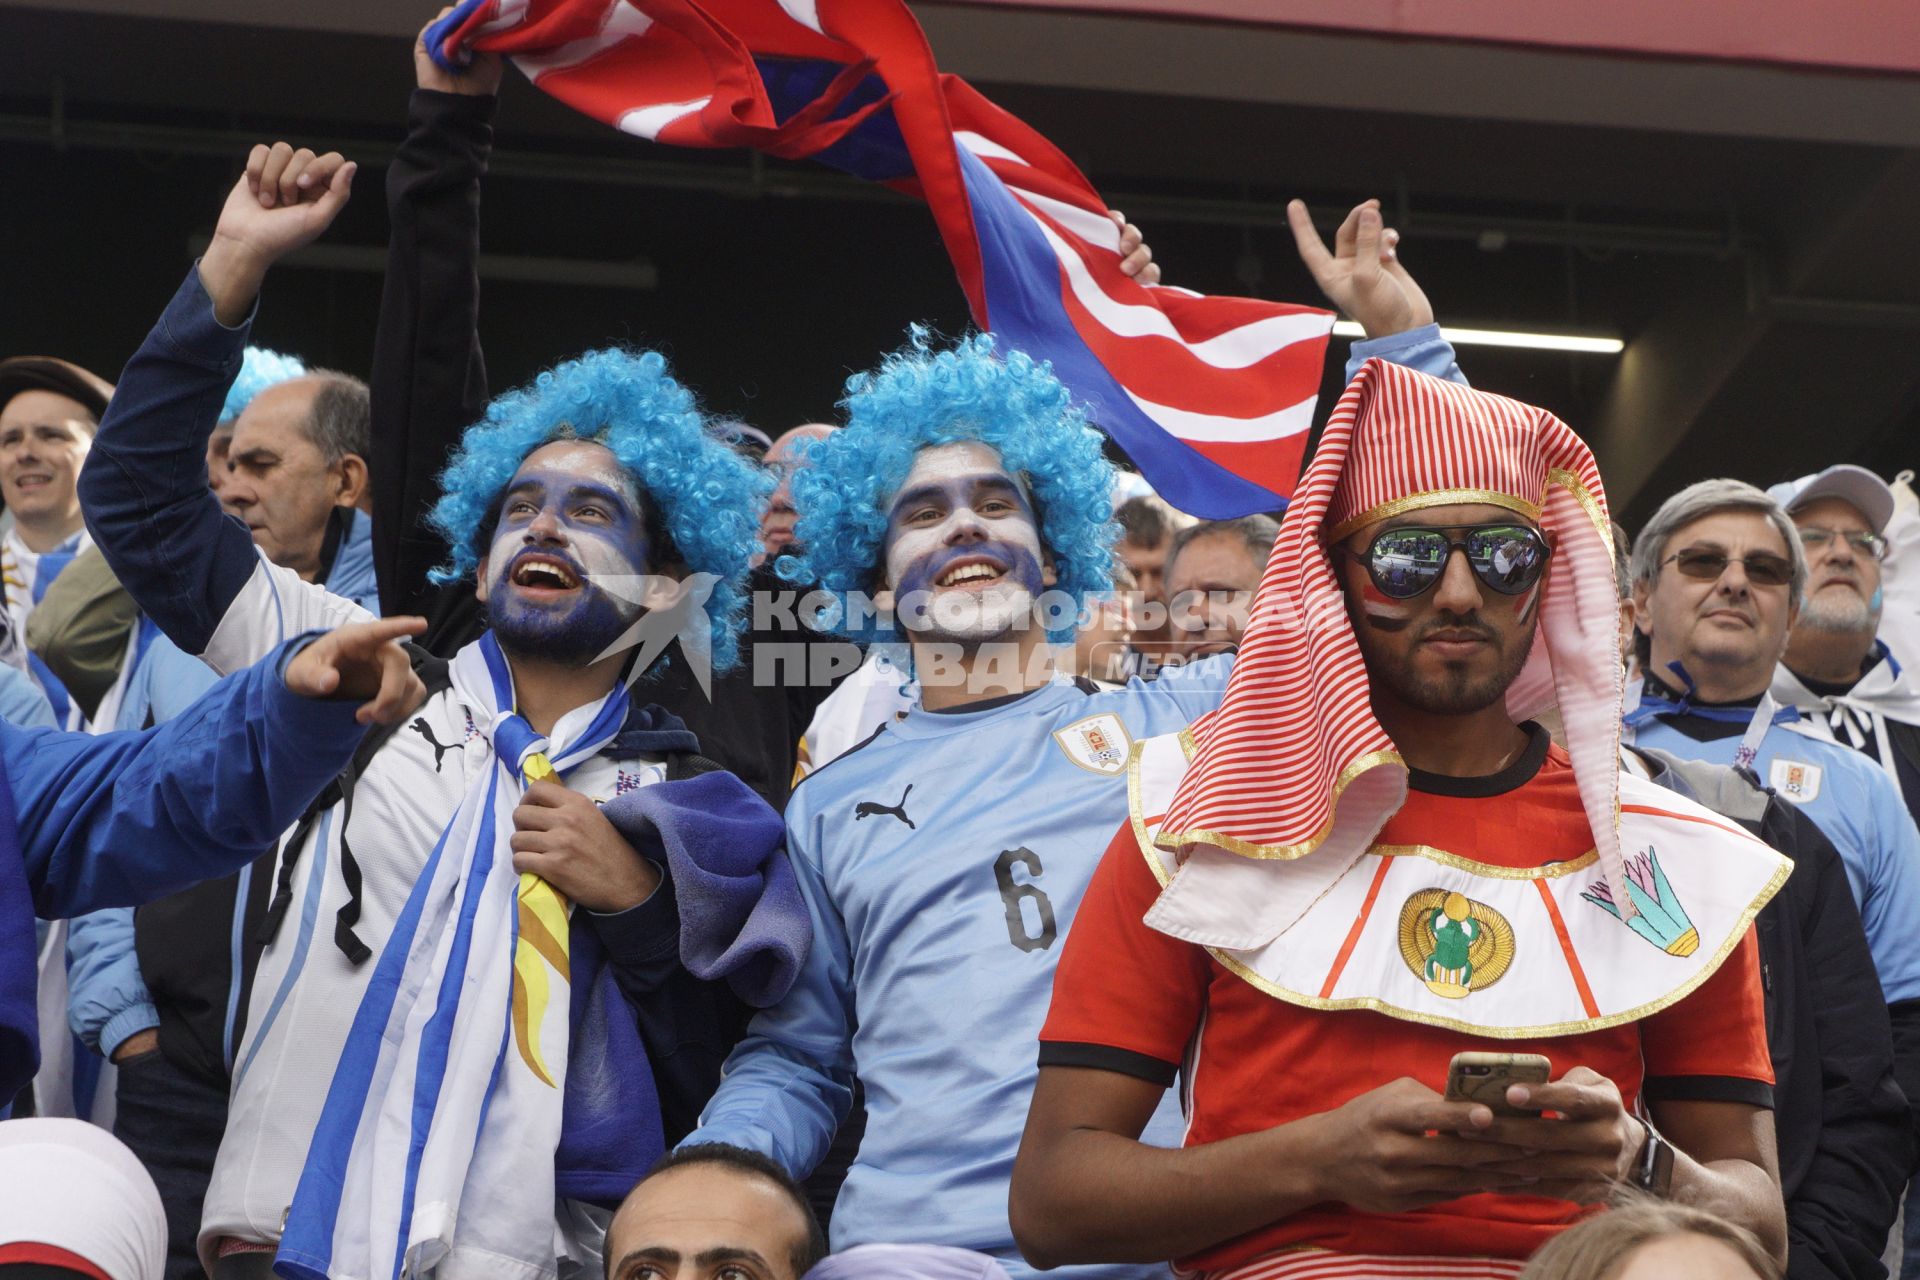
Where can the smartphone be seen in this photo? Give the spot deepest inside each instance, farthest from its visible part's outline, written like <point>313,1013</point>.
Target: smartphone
<point>1484,1077</point>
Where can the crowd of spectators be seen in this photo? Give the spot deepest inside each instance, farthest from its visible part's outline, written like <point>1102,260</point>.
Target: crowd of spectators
<point>518,835</point>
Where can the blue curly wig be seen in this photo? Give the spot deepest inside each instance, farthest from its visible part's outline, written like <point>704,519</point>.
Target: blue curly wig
<point>701,495</point>
<point>920,397</point>
<point>259,369</point>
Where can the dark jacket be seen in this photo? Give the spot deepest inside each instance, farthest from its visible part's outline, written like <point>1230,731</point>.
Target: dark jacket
<point>1840,1119</point>
<point>429,384</point>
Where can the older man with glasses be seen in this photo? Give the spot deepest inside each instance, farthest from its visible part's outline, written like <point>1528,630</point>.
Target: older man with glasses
<point>1719,576</point>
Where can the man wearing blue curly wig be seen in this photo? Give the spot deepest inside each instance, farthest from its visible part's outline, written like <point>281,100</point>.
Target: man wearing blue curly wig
<point>943,858</point>
<point>449,1059</point>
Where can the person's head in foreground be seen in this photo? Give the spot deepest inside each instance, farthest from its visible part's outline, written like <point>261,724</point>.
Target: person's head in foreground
<point>1718,574</point>
<point>582,497</point>
<point>1648,1239</point>
<point>295,461</point>
<point>966,486</point>
<point>907,1262</point>
<point>49,411</point>
<point>1842,516</point>
<point>787,455</point>
<point>75,1202</point>
<point>714,1212</point>
<point>1212,570</point>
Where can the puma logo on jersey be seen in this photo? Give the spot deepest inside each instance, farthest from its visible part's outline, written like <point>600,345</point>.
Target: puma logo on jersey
<point>868,809</point>
<point>426,731</point>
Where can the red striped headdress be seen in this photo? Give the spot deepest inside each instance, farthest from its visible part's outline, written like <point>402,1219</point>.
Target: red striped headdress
<point>1294,763</point>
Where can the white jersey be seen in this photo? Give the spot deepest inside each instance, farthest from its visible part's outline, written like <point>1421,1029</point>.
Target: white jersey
<point>878,692</point>
<point>306,990</point>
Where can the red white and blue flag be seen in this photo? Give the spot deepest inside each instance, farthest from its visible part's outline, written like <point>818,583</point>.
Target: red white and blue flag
<point>1211,397</point>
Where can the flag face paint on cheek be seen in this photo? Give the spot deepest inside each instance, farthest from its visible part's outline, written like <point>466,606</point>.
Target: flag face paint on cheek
<point>1383,612</point>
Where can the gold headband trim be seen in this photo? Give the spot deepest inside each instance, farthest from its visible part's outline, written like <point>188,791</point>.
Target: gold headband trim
<point>1435,498</point>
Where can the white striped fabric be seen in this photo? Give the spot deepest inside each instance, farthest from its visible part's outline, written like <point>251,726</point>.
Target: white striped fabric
<point>1318,1264</point>
<point>1294,761</point>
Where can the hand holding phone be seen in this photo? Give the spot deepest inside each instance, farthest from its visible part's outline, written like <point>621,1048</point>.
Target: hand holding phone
<point>1484,1077</point>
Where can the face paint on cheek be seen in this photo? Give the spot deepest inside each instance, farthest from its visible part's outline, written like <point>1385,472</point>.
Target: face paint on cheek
<point>1879,598</point>
<point>1382,612</point>
<point>1523,612</point>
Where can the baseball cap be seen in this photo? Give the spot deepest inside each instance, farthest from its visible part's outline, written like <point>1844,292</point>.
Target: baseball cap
<point>1856,486</point>
<point>62,377</point>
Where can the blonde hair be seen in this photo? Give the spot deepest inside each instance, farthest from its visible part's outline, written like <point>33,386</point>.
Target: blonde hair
<point>1598,1248</point>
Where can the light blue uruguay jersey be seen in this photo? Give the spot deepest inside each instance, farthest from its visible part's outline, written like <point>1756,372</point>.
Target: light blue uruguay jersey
<point>943,861</point>
<point>1859,808</point>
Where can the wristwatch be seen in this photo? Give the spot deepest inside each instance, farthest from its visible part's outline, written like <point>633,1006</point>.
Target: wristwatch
<point>1654,1172</point>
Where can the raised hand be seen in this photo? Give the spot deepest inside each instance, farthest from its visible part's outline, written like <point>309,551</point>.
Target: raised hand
<point>283,201</point>
<point>1136,259</point>
<point>1363,275</point>
<point>362,660</point>
<point>562,837</point>
<point>479,78</point>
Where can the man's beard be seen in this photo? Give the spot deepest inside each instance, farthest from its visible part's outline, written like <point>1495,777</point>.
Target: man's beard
<point>576,637</point>
<point>1457,691</point>
<point>1842,613</point>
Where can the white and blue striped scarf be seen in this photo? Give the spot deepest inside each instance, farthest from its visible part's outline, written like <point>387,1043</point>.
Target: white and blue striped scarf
<point>447,1098</point>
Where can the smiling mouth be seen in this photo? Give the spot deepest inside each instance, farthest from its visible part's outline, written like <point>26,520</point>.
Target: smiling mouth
<point>968,573</point>
<point>542,573</point>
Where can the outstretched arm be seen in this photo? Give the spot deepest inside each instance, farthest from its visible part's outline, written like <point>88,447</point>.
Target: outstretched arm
<point>429,380</point>
<point>192,569</point>
<point>122,818</point>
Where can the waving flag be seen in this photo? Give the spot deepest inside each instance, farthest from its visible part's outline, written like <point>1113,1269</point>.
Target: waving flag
<point>1212,397</point>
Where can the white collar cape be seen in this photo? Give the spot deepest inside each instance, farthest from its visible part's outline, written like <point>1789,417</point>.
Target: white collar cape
<point>1428,936</point>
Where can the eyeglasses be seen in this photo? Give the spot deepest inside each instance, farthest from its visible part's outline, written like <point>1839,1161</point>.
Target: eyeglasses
<point>1870,545</point>
<point>1408,561</point>
<point>1762,567</point>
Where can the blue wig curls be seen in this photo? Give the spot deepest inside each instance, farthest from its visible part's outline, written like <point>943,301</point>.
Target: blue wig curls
<point>920,397</point>
<point>705,497</point>
<point>260,368</point>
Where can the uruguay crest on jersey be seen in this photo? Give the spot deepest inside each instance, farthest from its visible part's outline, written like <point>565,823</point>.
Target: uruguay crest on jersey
<point>1795,780</point>
<point>1098,744</point>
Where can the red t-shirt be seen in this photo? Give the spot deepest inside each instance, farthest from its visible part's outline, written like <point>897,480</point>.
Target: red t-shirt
<point>1129,999</point>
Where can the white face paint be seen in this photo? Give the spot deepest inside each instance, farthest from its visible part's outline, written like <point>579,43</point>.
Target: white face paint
<point>963,551</point>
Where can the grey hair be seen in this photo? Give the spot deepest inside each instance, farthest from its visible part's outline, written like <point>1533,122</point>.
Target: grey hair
<point>341,419</point>
<point>1705,498</point>
<point>1257,532</point>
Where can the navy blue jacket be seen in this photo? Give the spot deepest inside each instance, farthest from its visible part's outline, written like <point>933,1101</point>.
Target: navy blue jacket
<point>121,818</point>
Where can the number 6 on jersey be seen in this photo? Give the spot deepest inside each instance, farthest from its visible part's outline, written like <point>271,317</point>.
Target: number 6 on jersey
<point>1013,895</point>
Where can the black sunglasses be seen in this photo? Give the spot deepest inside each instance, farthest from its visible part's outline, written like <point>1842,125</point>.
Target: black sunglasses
<point>1406,562</point>
<point>1762,567</point>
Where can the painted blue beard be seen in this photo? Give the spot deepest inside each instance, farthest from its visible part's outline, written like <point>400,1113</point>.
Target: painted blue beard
<point>914,597</point>
<point>574,636</point>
